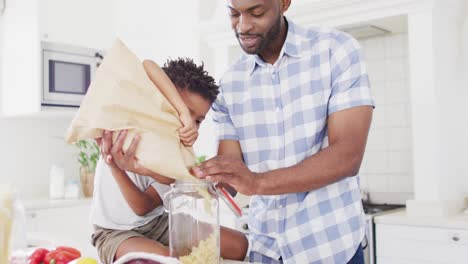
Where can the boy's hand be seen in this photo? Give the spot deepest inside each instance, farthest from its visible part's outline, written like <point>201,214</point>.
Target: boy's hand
<point>113,155</point>
<point>116,158</point>
<point>105,145</point>
<point>189,132</point>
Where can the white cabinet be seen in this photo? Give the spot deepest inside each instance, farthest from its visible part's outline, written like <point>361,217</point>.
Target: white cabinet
<point>400,244</point>
<point>56,226</point>
<point>84,23</point>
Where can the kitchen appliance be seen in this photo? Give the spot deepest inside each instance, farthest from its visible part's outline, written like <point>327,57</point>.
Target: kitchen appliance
<point>67,72</point>
<point>242,222</point>
<point>366,31</point>
<point>372,210</point>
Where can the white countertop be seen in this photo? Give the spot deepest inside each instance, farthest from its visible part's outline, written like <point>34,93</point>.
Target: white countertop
<point>228,261</point>
<point>45,203</point>
<point>399,217</point>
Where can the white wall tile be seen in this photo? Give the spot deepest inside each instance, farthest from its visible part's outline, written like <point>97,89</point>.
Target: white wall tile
<point>397,92</point>
<point>378,182</point>
<point>396,115</point>
<point>395,182</point>
<point>396,46</point>
<point>373,48</point>
<point>376,70</point>
<point>34,144</point>
<point>376,162</point>
<point>378,117</point>
<point>395,69</point>
<point>387,164</point>
<point>398,139</point>
<point>400,182</point>
<point>399,162</point>
<point>376,141</point>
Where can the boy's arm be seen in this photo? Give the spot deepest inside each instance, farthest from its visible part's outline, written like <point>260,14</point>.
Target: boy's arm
<point>189,132</point>
<point>165,85</point>
<point>140,202</point>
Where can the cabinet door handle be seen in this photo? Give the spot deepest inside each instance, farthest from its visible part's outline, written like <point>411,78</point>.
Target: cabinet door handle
<point>456,238</point>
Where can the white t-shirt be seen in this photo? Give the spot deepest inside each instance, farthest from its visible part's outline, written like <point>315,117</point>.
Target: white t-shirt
<point>110,210</point>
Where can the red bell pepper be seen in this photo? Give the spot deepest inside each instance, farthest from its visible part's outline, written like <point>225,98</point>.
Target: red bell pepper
<point>38,256</point>
<point>71,250</point>
<point>62,255</point>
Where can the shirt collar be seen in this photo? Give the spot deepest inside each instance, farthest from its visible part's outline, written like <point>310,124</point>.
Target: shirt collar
<point>291,46</point>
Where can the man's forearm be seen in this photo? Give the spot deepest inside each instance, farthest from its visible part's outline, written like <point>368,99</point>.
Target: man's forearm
<point>327,166</point>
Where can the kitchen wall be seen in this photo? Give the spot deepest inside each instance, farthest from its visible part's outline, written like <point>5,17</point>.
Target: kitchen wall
<point>387,165</point>
<point>30,145</point>
<point>157,31</point>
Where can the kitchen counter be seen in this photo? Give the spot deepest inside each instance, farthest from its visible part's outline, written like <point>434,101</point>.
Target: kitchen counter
<point>228,261</point>
<point>399,217</point>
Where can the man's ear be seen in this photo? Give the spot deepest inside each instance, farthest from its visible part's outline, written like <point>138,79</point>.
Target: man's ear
<point>285,5</point>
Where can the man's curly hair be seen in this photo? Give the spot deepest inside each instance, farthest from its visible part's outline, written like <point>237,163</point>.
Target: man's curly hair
<point>185,74</point>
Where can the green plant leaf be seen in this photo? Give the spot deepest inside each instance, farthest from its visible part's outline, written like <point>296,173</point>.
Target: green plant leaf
<point>200,159</point>
<point>88,154</point>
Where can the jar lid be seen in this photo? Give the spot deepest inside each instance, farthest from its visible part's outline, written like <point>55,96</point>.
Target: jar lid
<point>228,200</point>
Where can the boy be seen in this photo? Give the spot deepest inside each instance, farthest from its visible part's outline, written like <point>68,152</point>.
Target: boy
<point>127,208</point>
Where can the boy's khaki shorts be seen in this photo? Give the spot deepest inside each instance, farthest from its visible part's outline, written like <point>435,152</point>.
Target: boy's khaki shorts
<point>107,241</point>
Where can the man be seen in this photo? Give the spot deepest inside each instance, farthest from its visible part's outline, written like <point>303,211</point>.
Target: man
<point>293,117</point>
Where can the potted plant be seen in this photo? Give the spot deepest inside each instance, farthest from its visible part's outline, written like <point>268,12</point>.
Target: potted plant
<point>88,157</point>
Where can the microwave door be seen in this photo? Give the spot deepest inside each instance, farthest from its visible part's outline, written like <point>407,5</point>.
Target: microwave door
<point>66,78</point>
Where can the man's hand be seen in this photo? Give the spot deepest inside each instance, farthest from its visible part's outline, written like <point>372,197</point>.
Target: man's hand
<point>189,132</point>
<point>231,170</point>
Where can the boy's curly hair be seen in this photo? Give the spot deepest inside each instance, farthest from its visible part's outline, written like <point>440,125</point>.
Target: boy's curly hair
<point>185,74</point>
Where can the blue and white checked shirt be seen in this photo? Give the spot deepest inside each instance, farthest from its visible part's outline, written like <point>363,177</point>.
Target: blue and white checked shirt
<point>279,113</point>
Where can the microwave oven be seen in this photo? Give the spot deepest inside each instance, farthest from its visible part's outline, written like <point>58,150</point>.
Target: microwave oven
<point>67,72</point>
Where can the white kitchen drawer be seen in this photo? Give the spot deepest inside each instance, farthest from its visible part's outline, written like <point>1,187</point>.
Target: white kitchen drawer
<point>421,244</point>
<point>68,226</point>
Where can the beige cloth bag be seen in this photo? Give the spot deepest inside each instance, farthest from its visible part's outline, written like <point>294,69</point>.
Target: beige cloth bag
<point>122,96</point>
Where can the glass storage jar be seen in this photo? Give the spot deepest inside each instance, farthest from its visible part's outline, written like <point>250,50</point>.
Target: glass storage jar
<point>6,223</point>
<point>12,227</point>
<point>194,229</point>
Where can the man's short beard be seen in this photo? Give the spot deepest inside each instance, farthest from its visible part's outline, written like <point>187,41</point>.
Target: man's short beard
<point>265,41</point>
